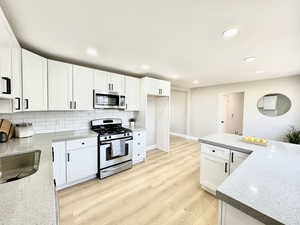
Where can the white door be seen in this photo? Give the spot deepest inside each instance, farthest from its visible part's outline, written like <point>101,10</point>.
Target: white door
<point>101,80</point>
<point>117,83</point>
<point>59,162</point>
<point>17,78</point>
<point>34,81</point>
<point>236,158</point>
<point>83,83</point>
<point>132,93</point>
<point>60,94</point>
<point>214,171</point>
<point>81,163</point>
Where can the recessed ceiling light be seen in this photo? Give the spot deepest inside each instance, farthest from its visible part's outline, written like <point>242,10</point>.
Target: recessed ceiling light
<point>145,67</point>
<point>260,71</point>
<point>196,82</point>
<point>249,59</point>
<point>91,51</point>
<point>230,33</point>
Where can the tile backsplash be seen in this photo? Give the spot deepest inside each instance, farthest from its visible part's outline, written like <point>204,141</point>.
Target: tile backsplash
<point>44,122</point>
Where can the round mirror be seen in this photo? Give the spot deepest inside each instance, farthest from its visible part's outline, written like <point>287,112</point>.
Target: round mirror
<point>274,105</point>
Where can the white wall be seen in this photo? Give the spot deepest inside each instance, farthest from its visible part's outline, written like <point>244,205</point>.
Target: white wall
<point>44,122</point>
<point>178,111</point>
<point>204,111</point>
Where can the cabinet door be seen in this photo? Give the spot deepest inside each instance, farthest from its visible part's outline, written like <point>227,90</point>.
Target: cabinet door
<point>213,172</point>
<point>34,82</point>
<point>59,162</point>
<point>5,62</point>
<point>139,147</point>
<point>17,78</point>
<point>117,83</point>
<point>236,158</point>
<point>132,93</point>
<point>83,83</point>
<point>59,86</point>
<point>101,80</point>
<point>81,163</point>
<point>164,87</point>
<point>233,216</point>
<point>152,86</point>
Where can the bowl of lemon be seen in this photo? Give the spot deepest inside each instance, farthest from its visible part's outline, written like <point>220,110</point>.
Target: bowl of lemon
<point>255,140</point>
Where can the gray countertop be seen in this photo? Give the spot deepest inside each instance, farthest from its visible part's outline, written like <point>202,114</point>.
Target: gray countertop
<point>266,186</point>
<point>31,200</point>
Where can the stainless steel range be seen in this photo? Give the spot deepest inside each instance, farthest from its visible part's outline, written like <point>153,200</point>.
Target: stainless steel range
<point>114,146</point>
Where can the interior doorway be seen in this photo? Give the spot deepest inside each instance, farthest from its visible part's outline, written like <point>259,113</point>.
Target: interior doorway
<point>231,113</point>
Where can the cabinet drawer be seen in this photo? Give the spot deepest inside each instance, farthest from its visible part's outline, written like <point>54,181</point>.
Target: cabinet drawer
<point>215,151</point>
<point>81,143</point>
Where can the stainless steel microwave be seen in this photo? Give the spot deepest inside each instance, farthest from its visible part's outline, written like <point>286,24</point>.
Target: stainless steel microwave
<point>104,100</point>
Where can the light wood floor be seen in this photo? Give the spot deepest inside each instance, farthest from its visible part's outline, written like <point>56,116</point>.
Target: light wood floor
<point>164,190</point>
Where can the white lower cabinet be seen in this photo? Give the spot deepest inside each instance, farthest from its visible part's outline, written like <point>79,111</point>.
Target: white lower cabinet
<point>74,161</point>
<point>81,163</point>
<point>214,171</point>
<point>232,216</point>
<point>216,165</point>
<point>59,163</point>
<point>236,158</point>
<point>139,147</point>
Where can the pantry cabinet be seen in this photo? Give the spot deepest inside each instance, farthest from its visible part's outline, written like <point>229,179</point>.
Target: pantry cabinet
<point>132,93</point>
<point>60,86</point>
<point>34,69</point>
<point>83,84</point>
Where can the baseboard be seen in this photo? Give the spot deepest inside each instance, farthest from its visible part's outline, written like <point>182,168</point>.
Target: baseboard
<point>184,136</point>
<point>150,147</point>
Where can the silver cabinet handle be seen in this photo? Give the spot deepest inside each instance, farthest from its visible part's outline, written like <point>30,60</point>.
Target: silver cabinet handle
<point>68,157</point>
<point>71,104</point>
<point>75,105</point>
<point>26,103</point>
<point>226,164</point>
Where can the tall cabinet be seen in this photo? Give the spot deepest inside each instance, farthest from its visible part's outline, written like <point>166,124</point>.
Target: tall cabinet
<point>154,112</point>
<point>34,81</point>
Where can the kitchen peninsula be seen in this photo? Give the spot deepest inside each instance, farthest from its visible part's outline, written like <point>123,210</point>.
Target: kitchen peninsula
<point>264,189</point>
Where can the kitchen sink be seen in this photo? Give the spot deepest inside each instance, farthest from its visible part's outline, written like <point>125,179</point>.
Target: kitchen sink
<point>18,166</point>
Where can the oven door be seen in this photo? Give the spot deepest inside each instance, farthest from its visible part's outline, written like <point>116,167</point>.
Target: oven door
<point>106,101</point>
<point>106,157</point>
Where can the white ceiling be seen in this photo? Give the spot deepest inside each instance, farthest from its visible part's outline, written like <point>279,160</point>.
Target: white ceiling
<point>174,38</point>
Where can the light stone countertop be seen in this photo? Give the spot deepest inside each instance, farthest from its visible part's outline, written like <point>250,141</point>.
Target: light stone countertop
<point>266,185</point>
<point>135,128</point>
<point>31,200</point>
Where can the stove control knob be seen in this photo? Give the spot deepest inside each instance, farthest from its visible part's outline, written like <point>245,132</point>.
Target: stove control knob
<point>109,136</point>
<point>105,138</point>
<point>124,134</point>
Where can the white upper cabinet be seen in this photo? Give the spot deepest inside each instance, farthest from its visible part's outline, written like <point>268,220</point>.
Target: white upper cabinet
<point>17,78</point>
<point>101,80</point>
<point>117,83</point>
<point>34,81</point>
<point>109,82</point>
<point>83,84</point>
<point>6,42</point>
<point>132,93</point>
<point>157,87</point>
<point>60,88</point>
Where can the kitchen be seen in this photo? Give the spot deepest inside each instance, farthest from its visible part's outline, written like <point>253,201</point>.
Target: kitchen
<point>109,131</point>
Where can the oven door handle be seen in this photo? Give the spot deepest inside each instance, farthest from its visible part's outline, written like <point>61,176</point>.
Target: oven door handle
<point>109,143</point>
<point>113,168</point>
